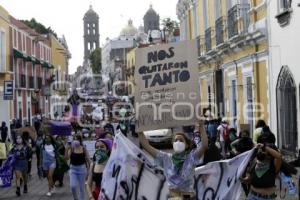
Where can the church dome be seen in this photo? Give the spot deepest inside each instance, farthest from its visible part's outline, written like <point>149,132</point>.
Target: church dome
<point>90,12</point>
<point>129,29</point>
<point>150,12</point>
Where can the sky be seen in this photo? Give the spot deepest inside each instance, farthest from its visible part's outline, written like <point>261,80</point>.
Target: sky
<point>65,17</point>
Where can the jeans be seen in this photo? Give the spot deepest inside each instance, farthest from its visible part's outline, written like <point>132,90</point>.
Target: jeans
<point>77,178</point>
<point>223,149</point>
<point>253,197</point>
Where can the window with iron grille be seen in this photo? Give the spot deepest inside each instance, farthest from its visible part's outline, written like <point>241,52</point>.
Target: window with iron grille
<point>31,82</point>
<point>284,5</point>
<point>232,21</point>
<point>219,30</point>
<point>23,81</point>
<point>287,111</point>
<point>208,39</point>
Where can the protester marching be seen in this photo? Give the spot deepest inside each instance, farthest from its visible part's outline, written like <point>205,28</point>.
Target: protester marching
<point>154,145</point>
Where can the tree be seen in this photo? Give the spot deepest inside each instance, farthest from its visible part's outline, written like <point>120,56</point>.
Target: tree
<point>170,25</point>
<point>38,27</point>
<point>95,58</point>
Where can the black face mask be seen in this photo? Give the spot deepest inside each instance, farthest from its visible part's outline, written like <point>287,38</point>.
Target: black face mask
<point>261,156</point>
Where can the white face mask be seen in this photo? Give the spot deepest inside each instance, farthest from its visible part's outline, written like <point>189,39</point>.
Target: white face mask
<point>178,146</point>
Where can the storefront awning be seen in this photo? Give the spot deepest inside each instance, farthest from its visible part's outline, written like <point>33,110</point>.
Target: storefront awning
<point>18,54</point>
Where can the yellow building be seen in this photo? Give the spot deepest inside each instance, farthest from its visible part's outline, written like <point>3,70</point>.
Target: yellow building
<point>130,67</point>
<point>60,56</point>
<point>5,65</point>
<point>233,56</point>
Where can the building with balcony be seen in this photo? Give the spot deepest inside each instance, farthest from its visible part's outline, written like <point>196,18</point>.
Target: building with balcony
<point>32,69</point>
<point>60,60</point>
<point>284,79</point>
<point>6,71</point>
<point>232,43</point>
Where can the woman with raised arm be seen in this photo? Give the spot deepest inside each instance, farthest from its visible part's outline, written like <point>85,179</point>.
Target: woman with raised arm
<point>262,174</point>
<point>179,167</point>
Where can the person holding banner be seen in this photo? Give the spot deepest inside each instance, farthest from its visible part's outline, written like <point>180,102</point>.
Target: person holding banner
<point>263,172</point>
<point>179,167</point>
<point>103,148</point>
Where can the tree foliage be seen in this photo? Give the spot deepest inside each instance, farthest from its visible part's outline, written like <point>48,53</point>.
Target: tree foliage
<point>38,27</point>
<point>95,58</point>
<point>169,25</point>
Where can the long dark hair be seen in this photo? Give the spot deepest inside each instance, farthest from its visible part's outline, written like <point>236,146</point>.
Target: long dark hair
<point>23,140</point>
<point>79,137</point>
<point>51,138</point>
<point>260,124</point>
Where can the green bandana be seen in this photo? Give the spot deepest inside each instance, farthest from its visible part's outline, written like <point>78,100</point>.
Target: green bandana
<point>261,168</point>
<point>179,158</point>
<point>100,156</point>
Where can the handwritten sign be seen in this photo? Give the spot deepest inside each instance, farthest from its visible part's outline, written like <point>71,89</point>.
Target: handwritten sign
<point>167,87</point>
<point>90,147</point>
<point>131,174</point>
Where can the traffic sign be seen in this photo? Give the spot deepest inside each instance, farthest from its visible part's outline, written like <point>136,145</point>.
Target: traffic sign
<point>8,90</point>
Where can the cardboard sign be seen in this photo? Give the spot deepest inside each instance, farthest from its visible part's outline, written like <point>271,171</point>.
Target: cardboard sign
<point>90,147</point>
<point>167,86</point>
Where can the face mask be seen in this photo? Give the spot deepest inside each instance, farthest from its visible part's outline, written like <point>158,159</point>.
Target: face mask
<point>178,146</point>
<point>76,143</point>
<point>86,135</point>
<point>100,156</point>
<point>19,141</point>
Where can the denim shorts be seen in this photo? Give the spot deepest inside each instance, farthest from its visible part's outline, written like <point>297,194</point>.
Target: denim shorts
<point>49,165</point>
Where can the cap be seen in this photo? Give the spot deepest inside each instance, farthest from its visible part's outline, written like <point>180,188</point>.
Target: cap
<point>108,143</point>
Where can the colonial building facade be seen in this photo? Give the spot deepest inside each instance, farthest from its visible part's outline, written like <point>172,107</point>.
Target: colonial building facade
<point>232,45</point>
<point>284,79</point>
<point>31,60</point>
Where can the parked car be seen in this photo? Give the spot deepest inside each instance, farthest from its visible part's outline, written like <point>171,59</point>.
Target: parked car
<point>159,137</point>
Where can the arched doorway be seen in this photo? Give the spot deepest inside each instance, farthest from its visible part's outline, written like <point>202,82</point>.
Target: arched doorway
<point>287,111</point>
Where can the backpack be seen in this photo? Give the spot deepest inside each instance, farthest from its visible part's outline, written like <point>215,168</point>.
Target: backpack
<point>225,132</point>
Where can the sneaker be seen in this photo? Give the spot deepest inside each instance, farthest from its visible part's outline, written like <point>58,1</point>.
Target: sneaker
<point>53,190</point>
<point>49,194</point>
<point>18,192</point>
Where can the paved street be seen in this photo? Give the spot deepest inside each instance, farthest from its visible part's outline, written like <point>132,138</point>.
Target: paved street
<point>38,188</point>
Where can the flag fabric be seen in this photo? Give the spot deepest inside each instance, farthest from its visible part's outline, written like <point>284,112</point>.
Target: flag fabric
<point>132,174</point>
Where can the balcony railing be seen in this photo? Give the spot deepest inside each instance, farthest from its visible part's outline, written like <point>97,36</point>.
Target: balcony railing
<point>31,82</point>
<point>208,39</point>
<point>238,20</point>
<point>220,30</point>
<point>23,81</point>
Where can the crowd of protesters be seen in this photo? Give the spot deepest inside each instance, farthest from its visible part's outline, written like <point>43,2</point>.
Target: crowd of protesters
<point>212,140</point>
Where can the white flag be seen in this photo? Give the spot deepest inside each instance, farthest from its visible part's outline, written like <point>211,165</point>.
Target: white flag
<point>131,174</point>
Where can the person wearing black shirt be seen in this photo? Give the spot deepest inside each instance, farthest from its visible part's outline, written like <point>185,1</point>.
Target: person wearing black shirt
<point>4,131</point>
